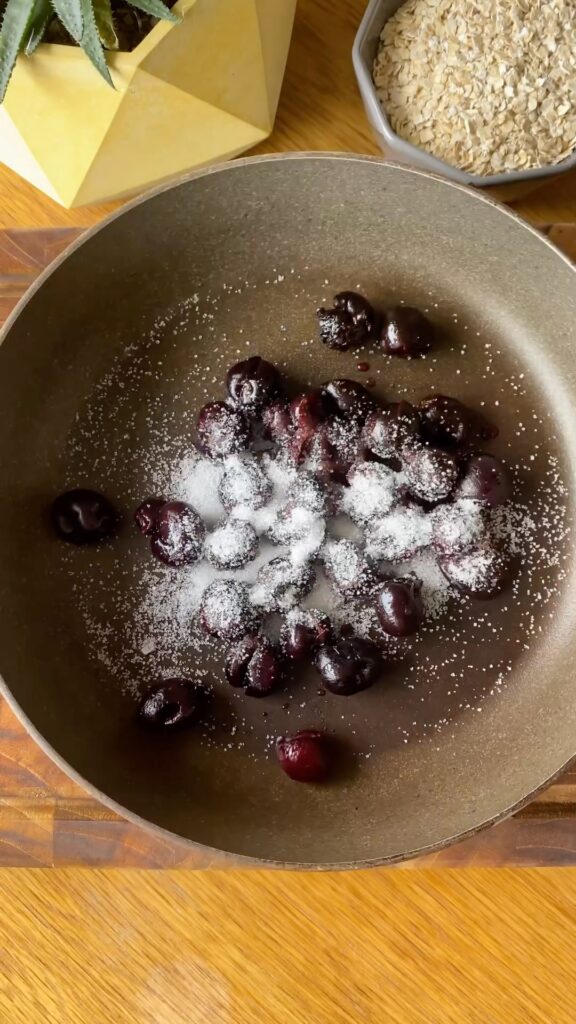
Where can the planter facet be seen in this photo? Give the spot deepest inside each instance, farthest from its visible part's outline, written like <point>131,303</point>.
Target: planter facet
<point>191,93</point>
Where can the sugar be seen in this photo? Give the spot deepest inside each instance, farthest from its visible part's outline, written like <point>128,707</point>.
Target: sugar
<point>305,491</point>
<point>244,483</point>
<point>460,526</point>
<point>345,563</point>
<point>431,474</point>
<point>281,584</point>
<point>372,491</point>
<point>280,475</point>
<point>195,480</point>
<point>307,616</point>
<point>436,590</point>
<point>167,602</point>
<point>512,524</point>
<point>340,436</point>
<point>398,535</point>
<point>262,519</point>
<point>475,570</point>
<point>340,526</point>
<point>308,546</point>
<point>231,545</point>
<point>343,611</point>
<point>225,602</point>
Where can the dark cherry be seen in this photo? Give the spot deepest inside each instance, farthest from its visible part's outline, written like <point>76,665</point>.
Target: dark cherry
<point>310,409</point>
<point>449,423</point>
<point>307,412</point>
<point>82,516</point>
<point>389,430</point>
<point>254,665</point>
<point>330,455</point>
<point>372,492</point>
<point>350,399</point>
<point>281,584</point>
<point>243,482</point>
<point>362,312</point>
<point>295,523</point>
<point>277,423</point>
<point>401,539</point>
<point>231,544</point>
<point>485,479</point>
<point>399,606</point>
<point>352,321</point>
<point>346,630</point>
<point>349,569</point>
<point>431,473</point>
<point>460,526</point>
<point>226,610</point>
<point>178,534</point>
<point>252,384</point>
<point>307,492</point>
<point>303,633</point>
<point>338,330</point>
<point>446,421</point>
<point>173,704</point>
<point>349,665</point>
<point>481,573</point>
<point>406,332</point>
<point>221,430</point>
<point>146,514</point>
<point>238,659</point>
<point>305,756</point>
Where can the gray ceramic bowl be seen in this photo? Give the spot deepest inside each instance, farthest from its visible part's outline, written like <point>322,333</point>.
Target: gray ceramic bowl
<point>363,54</point>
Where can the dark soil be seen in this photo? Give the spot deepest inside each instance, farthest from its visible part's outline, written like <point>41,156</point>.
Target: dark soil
<point>131,26</point>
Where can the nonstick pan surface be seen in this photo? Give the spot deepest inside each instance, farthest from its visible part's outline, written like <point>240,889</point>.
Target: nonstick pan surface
<point>102,370</point>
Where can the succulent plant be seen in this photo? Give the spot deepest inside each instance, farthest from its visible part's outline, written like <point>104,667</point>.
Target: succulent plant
<point>89,23</point>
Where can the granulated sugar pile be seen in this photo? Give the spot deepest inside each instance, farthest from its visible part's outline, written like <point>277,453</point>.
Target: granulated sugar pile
<point>487,85</point>
<point>330,539</point>
<point>168,599</point>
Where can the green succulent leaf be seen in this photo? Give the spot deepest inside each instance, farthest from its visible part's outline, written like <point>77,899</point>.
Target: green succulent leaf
<point>70,14</point>
<point>89,22</point>
<point>12,38</point>
<point>41,14</point>
<point>105,24</point>
<point>156,8</point>
<point>90,41</point>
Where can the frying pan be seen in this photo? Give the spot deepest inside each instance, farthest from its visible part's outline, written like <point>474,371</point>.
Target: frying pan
<point>102,368</point>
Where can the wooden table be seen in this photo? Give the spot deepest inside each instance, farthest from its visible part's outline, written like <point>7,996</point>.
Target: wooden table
<point>379,947</point>
<point>45,819</point>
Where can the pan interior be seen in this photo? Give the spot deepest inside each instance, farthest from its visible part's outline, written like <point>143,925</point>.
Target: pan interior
<point>101,375</point>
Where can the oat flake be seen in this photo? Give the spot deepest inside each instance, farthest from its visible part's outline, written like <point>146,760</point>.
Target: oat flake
<point>485,85</point>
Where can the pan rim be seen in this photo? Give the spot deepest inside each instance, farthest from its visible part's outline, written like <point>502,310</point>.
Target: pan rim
<point>231,856</point>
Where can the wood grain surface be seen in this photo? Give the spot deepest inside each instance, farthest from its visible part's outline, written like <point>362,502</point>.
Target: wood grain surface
<point>385,947</point>
<point>44,818</point>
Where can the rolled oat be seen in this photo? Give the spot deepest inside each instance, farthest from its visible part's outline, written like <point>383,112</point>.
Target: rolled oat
<point>485,85</point>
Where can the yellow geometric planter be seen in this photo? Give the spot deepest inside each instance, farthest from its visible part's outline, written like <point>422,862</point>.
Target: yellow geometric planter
<point>191,93</point>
